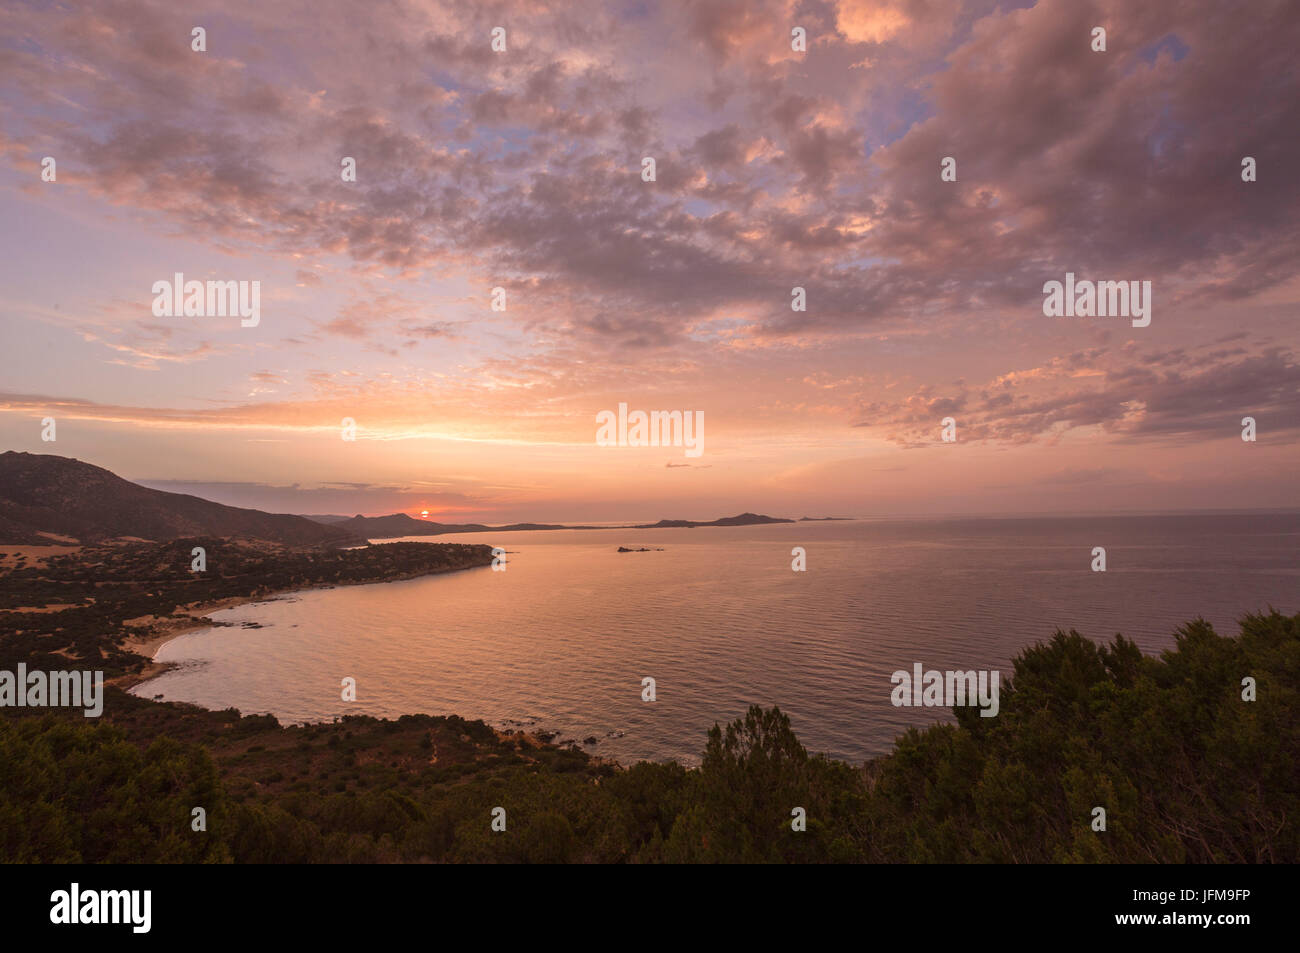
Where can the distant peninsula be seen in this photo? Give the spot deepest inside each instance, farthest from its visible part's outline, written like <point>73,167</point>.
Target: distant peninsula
<point>744,519</point>
<point>399,524</point>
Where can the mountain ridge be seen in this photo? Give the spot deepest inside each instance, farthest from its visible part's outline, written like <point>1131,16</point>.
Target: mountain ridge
<point>45,495</point>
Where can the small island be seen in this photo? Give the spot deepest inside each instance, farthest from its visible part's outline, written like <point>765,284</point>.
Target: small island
<point>744,519</point>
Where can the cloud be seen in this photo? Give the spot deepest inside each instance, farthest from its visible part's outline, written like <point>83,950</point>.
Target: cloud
<point>775,170</point>
<point>527,165</point>
<point>1174,395</point>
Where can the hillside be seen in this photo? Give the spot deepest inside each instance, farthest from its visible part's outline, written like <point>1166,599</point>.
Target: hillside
<point>48,494</point>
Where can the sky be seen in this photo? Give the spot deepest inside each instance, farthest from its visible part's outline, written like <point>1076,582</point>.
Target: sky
<point>776,167</point>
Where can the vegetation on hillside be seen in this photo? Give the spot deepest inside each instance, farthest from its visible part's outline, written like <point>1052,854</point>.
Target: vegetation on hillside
<point>113,592</point>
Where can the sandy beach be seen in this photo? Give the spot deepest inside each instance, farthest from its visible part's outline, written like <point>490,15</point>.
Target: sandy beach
<point>192,617</point>
<point>163,629</point>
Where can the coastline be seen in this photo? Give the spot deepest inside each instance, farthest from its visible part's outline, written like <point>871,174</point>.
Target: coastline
<point>172,627</point>
<point>163,631</point>
<point>193,616</point>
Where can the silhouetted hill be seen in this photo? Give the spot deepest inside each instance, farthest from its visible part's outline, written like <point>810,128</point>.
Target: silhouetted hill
<point>399,524</point>
<point>45,493</point>
<point>744,519</point>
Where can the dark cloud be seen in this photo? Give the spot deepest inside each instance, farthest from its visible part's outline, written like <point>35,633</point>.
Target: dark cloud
<point>1170,397</point>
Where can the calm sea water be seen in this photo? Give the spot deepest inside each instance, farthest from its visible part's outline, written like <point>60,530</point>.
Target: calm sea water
<point>561,640</point>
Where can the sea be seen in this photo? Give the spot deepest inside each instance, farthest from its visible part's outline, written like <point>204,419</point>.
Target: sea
<point>563,639</point>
